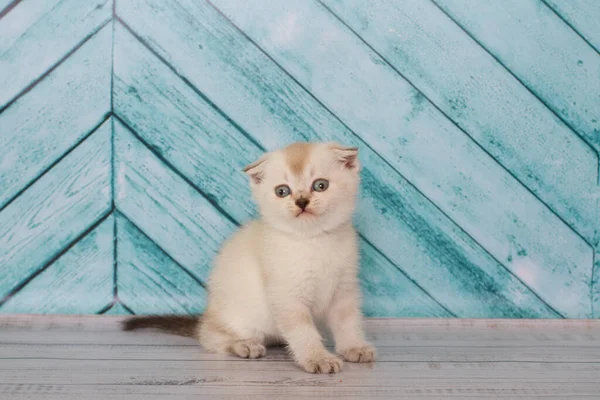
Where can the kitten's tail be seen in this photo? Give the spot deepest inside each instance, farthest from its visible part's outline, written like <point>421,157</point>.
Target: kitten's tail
<point>181,325</point>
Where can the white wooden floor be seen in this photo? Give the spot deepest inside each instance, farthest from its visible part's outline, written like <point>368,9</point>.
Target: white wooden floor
<point>58,357</point>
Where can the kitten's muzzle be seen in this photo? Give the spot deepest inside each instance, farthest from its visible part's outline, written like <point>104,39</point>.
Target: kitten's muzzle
<point>302,203</point>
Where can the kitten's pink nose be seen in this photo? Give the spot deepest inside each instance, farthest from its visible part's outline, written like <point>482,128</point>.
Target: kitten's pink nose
<point>302,202</point>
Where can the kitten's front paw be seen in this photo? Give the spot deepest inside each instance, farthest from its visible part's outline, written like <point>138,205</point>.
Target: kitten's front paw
<point>360,354</point>
<point>323,364</point>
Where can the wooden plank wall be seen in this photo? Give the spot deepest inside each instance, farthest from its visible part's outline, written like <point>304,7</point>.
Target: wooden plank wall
<point>124,125</point>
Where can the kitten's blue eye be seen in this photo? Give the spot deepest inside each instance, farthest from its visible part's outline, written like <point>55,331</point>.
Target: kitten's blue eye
<point>282,191</point>
<point>320,185</point>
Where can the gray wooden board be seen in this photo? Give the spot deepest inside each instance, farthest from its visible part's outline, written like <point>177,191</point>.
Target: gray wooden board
<point>64,357</point>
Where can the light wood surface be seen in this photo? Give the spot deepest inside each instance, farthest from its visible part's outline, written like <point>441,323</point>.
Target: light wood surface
<point>88,357</point>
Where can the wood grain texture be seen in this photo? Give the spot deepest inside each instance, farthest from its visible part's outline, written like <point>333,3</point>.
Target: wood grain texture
<point>162,372</point>
<point>183,128</point>
<point>387,292</point>
<point>85,271</point>
<point>168,210</point>
<point>595,287</point>
<point>56,210</point>
<point>484,99</point>
<point>551,59</point>
<point>429,359</point>
<point>582,16</point>
<point>429,150</point>
<point>149,281</point>
<point>39,33</point>
<point>106,330</point>
<point>309,390</point>
<point>55,115</point>
<point>266,102</point>
<point>117,309</point>
<point>422,349</point>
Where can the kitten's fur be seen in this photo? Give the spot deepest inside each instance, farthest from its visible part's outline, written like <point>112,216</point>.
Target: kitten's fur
<point>277,276</point>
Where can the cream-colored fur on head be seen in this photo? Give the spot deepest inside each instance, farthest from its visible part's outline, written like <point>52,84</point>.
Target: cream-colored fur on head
<point>296,266</point>
<point>298,166</point>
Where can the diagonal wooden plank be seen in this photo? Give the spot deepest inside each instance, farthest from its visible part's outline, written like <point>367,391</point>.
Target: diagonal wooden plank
<point>168,210</point>
<point>79,282</point>
<point>265,101</point>
<point>582,16</point>
<point>37,34</point>
<point>55,210</point>
<point>183,128</point>
<point>551,59</point>
<point>388,293</point>
<point>22,19</point>
<point>6,6</point>
<point>200,142</point>
<point>436,156</point>
<point>149,281</point>
<point>484,99</point>
<point>55,116</point>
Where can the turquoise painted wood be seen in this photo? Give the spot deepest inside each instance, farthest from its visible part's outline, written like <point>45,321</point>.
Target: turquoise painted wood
<point>56,210</point>
<point>547,48</point>
<point>124,126</point>
<point>36,35</point>
<point>149,281</point>
<point>582,15</point>
<point>484,100</point>
<point>86,267</point>
<point>38,129</point>
<point>456,258</point>
<point>405,128</point>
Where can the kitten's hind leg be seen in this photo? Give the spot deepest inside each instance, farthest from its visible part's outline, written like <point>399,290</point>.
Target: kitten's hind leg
<point>218,338</point>
<point>248,348</point>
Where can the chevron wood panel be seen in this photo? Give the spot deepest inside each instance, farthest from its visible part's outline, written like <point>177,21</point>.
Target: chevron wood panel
<point>149,281</point>
<point>125,126</point>
<point>402,237</point>
<point>548,48</point>
<point>431,152</point>
<point>503,117</point>
<point>86,267</point>
<point>55,115</point>
<point>582,15</point>
<point>55,211</point>
<point>37,34</point>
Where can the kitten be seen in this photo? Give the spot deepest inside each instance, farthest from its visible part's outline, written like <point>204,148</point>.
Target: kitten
<point>295,266</point>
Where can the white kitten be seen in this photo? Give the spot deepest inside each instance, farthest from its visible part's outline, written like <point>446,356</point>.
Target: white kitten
<point>277,276</point>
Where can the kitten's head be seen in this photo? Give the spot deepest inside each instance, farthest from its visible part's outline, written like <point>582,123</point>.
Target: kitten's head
<point>306,188</point>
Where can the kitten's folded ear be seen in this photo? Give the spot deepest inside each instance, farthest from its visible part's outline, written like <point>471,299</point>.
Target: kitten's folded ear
<point>347,156</point>
<point>256,170</point>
